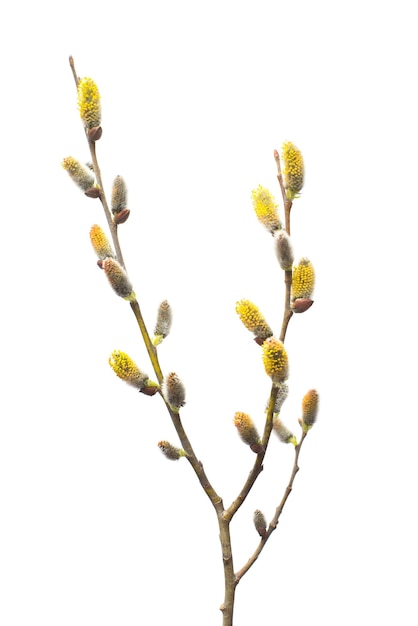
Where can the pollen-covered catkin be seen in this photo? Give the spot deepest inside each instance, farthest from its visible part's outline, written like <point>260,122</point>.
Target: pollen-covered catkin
<point>275,360</point>
<point>89,103</point>
<point>293,171</point>
<point>265,209</point>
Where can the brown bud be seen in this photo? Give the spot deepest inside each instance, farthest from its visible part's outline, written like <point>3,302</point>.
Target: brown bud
<point>300,305</point>
<point>122,216</point>
<point>150,390</point>
<point>93,192</point>
<point>95,133</point>
<point>100,263</point>
<point>257,448</point>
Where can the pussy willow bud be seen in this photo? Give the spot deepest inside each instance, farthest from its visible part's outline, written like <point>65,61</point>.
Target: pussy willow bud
<point>119,195</point>
<point>303,280</point>
<point>253,320</point>
<point>275,360</point>
<point>293,171</point>
<point>284,250</point>
<point>247,431</point>
<point>100,243</point>
<point>118,279</point>
<point>79,173</point>
<point>89,103</point>
<point>283,433</point>
<point>171,452</point>
<point>260,523</point>
<point>127,370</point>
<point>163,323</point>
<point>310,405</point>
<point>174,392</point>
<point>266,209</point>
<point>282,393</point>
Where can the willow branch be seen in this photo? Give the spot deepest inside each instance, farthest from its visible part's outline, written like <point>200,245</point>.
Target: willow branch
<point>258,464</point>
<point>286,202</point>
<point>151,350</point>
<point>274,522</point>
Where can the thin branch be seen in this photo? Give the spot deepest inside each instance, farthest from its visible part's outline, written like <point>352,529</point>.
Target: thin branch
<point>286,202</point>
<point>287,314</point>
<point>274,522</point>
<point>258,464</point>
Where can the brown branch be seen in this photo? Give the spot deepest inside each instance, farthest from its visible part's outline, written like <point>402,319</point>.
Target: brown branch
<point>258,464</point>
<point>286,202</point>
<point>274,522</point>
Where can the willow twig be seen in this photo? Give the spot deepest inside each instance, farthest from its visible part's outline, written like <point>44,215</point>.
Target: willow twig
<point>274,522</point>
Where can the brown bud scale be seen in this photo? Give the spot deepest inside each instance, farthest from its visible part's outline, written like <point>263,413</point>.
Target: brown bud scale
<point>95,133</point>
<point>93,192</point>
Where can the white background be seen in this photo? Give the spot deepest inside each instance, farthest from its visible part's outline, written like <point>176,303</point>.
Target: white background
<point>96,527</point>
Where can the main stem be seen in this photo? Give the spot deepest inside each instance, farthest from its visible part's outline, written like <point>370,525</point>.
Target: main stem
<point>227,607</point>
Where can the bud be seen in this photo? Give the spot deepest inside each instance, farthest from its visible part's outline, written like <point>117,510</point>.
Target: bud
<point>95,133</point>
<point>284,250</point>
<point>253,320</point>
<point>89,103</point>
<point>303,280</point>
<point>163,323</point>
<point>248,432</point>
<point>174,392</point>
<point>80,174</point>
<point>126,369</point>
<point>93,192</point>
<point>170,452</point>
<point>100,243</point>
<point>119,195</point>
<point>293,171</point>
<point>283,433</point>
<point>118,279</point>
<point>122,216</point>
<point>260,523</point>
<point>282,393</point>
<point>275,360</point>
<point>300,305</point>
<point>150,388</point>
<point>266,209</point>
<point>310,405</point>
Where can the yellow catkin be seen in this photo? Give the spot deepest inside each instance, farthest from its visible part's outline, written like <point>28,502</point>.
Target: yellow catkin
<point>127,370</point>
<point>100,242</point>
<point>89,102</point>
<point>310,405</point>
<point>293,170</point>
<point>266,209</point>
<point>275,360</point>
<point>252,319</point>
<point>246,429</point>
<point>303,279</point>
